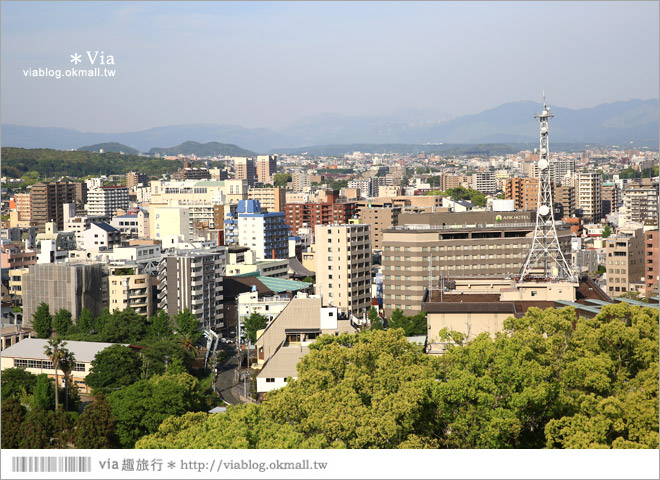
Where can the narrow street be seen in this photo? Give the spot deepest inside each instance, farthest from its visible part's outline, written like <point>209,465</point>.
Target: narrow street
<point>227,374</point>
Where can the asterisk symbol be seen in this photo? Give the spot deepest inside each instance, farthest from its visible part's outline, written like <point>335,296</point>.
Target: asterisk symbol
<point>171,464</point>
<point>76,58</point>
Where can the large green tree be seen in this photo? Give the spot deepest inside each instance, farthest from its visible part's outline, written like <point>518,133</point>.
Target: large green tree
<point>187,325</point>
<point>112,368</point>
<point>61,322</point>
<point>36,429</point>
<point>13,414</point>
<point>160,326</point>
<point>140,408</point>
<point>124,326</point>
<point>42,321</point>
<point>252,324</point>
<point>96,426</point>
<point>44,393</point>
<point>15,381</point>
<point>411,326</point>
<point>549,379</point>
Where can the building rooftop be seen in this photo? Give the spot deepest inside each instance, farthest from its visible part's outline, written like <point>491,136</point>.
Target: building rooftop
<point>284,362</point>
<point>106,227</point>
<point>34,348</point>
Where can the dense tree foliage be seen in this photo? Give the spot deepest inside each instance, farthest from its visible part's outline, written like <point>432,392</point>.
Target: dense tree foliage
<point>187,325</point>
<point>160,326</point>
<point>42,321</point>
<point>13,414</point>
<point>17,381</point>
<point>44,393</point>
<point>140,408</point>
<point>56,163</point>
<point>61,322</point>
<point>112,368</point>
<point>281,179</point>
<point>411,326</point>
<point>252,324</point>
<point>96,426</point>
<point>549,379</point>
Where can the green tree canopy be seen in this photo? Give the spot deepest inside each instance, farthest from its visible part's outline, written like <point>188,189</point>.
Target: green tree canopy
<point>112,368</point>
<point>252,324</point>
<point>125,326</point>
<point>161,326</point>
<point>61,322</point>
<point>281,179</point>
<point>141,407</point>
<point>607,231</point>
<point>411,326</point>
<point>187,325</point>
<point>13,414</point>
<point>85,323</point>
<point>549,379</point>
<point>41,321</point>
<point>44,393</point>
<point>15,381</point>
<point>96,426</point>
<point>36,429</point>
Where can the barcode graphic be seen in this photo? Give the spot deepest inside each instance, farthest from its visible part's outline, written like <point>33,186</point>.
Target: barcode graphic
<point>51,464</point>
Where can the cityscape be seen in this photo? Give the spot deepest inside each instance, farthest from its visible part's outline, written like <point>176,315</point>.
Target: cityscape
<point>371,292</point>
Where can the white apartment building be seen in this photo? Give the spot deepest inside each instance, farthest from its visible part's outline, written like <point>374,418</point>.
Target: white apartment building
<point>107,200</point>
<point>192,279</point>
<point>588,202</point>
<point>343,266</point>
<point>484,182</point>
<point>265,233</point>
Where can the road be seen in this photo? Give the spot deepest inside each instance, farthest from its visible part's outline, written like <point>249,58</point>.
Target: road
<point>226,378</point>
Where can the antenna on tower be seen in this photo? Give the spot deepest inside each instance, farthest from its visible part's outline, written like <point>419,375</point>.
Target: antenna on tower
<point>545,251</point>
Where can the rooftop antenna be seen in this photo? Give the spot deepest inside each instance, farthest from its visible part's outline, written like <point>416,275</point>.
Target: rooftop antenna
<point>545,250</point>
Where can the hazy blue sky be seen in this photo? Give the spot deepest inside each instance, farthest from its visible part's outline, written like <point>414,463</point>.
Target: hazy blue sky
<point>270,64</point>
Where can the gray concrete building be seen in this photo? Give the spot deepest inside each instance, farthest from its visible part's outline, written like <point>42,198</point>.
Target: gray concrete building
<point>65,285</point>
<point>428,246</point>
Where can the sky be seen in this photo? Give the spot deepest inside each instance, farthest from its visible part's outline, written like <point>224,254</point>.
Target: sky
<point>271,64</point>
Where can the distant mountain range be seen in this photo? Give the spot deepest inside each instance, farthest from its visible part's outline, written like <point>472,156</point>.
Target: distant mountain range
<point>210,149</point>
<point>109,147</point>
<point>631,122</point>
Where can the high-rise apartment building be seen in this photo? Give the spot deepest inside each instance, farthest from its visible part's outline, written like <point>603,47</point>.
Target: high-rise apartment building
<point>107,200</point>
<point>640,201</point>
<point>266,168</point>
<point>47,203</point>
<point>453,245</point>
<point>564,201</point>
<point>651,261</point>
<point>625,262</point>
<point>484,182</point>
<point>133,179</point>
<point>364,186</point>
<point>523,191</point>
<point>561,168</point>
<point>588,193</point>
<point>311,214</point>
<point>343,260</point>
<point>271,199</point>
<point>192,279</point>
<point>300,181</point>
<point>265,233</point>
<point>245,170</point>
<point>381,216</point>
<point>611,198</point>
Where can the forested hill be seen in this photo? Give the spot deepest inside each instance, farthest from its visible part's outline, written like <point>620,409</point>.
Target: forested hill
<point>50,163</point>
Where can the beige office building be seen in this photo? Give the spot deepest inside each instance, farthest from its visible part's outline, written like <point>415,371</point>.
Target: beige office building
<point>343,266</point>
<point>381,216</point>
<point>266,168</point>
<point>625,262</point>
<point>270,199</point>
<point>453,245</point>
